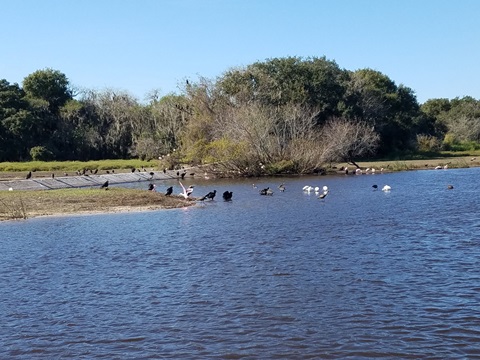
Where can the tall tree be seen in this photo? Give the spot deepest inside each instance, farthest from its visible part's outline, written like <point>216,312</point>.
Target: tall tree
<point>389,108</point>
<point>49,85</point>
<point>313,82</point>
<point>13,108</point>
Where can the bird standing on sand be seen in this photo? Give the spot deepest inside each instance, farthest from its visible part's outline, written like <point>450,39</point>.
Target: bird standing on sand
<point>169,191</point>
<point>104,185</point>
<point>29,175</point>
<point>186,192</point>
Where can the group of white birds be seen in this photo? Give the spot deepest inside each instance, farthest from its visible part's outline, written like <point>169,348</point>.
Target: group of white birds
<point>316,189</point>
<point>308,189</point>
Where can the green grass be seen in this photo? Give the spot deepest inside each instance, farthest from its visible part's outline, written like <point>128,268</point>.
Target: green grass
<point>75,165</point>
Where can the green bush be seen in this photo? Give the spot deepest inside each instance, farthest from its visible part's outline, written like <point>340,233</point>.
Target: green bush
<point>281,167</point>
<point>428,143</point>
<point>40,153</point>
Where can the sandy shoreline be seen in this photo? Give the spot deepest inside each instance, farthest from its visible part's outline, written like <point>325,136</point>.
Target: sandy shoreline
<point>113,210</point>
<point>66,202</point>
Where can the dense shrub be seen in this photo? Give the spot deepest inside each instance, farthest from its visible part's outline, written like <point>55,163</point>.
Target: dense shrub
<point>40,153</point>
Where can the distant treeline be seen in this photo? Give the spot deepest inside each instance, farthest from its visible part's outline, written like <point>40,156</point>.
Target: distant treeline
<point>282,115</point>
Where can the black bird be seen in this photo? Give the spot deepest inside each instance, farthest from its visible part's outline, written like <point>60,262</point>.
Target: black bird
<point>323,195</point>
<point>211,194</point>
<point>29,175</point>
<point>53,176</point>
<point>266,191</point>
<point>96,170</point>
<point>227,195</point>
<point>152,173</point>
<point>183,175</point>
<point>104,185</point>
<point>133,170</point>
<point>151,187</point>
<point>169,191</point>
<point>164,171</point>
<point>375,187</point>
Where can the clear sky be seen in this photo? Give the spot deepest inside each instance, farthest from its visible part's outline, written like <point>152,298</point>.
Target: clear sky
<point>431,46</point>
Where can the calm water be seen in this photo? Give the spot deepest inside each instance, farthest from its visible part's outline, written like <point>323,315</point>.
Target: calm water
<point>360,274</point>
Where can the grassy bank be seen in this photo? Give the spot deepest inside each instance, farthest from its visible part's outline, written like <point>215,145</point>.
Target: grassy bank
<point>452,162</point>
<point>72,166</point>
<point>26,204</point>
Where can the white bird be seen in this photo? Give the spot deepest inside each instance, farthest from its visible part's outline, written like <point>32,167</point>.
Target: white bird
<point>307,188</point>
<point>438,167</point>
<point>325,188</point>
<point>386,188</point>
<point>10,189</point>
<point>186,192</point>
<point>317,189</point>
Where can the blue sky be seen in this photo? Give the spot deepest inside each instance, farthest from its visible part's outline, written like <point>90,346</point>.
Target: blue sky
<point>431,46</point>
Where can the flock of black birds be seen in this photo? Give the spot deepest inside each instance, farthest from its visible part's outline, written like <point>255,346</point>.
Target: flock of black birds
<point>227,195</point>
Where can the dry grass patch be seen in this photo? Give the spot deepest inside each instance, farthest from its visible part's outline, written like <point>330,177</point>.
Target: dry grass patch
<point>23,204</point>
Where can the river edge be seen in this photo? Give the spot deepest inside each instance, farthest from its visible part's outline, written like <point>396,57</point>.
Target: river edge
<point>19,211</point>
<point>22,205</point>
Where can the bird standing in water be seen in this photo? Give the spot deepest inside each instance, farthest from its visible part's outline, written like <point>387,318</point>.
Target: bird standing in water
<point>104,185</point>
<point>323,195</point>
<point>266,191</point>
<point>211,194</point>
<point>227,195</point>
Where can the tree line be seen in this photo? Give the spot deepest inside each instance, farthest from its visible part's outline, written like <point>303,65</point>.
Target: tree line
<point>280,115</point>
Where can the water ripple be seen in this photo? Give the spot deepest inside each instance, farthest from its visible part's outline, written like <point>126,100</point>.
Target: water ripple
<point>362,274</point>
